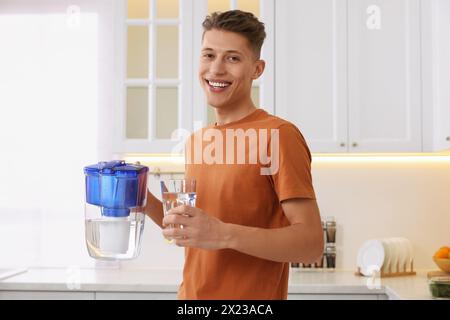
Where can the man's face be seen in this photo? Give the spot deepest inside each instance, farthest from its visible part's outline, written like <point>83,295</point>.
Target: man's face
<point>227,68</point>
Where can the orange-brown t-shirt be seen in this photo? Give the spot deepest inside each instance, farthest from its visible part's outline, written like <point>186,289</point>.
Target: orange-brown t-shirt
<point>237,192</point>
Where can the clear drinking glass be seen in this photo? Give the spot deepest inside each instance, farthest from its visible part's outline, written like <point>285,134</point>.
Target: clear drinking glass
<point>177,192</point>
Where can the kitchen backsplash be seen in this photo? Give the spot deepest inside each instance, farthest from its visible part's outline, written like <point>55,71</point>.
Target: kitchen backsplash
<point>372,198</point>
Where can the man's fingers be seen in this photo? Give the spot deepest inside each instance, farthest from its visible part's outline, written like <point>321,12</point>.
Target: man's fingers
<point>183,210</point>
<point>175,219</point>
<point>175,233</point>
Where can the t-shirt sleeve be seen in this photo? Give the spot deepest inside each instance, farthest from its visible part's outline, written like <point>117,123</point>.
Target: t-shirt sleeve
<point>293,178</point>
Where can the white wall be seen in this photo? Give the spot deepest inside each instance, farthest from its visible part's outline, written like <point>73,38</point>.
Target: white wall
<point>370,198</point>
<point>375,199</point>
<point>54,103</point>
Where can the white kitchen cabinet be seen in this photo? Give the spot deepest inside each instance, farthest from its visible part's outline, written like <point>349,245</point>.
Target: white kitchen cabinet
<point>136,296</point>
<point>46,295</point>
<point>68,295</point>
<point>65,295</point>
<point>384,75</point>
<point>436,74</point>
<point>348,73</point>
<point>310,79</point>
<point>154,74</point>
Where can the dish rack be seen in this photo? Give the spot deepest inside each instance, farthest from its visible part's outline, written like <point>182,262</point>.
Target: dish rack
<point>388,257</point>
<point>393,273</point>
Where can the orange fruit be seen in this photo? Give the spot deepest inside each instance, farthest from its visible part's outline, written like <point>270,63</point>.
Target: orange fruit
<point>443,253</point>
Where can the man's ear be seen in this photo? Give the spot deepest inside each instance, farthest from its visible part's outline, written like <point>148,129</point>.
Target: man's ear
<point>260,65</point>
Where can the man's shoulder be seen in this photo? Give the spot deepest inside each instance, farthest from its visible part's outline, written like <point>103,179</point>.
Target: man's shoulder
<point>275,122</point>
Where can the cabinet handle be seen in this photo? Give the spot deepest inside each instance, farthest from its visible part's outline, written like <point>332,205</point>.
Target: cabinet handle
<point>342,144</point>
<point>354,144</point>
<point>448,138</point>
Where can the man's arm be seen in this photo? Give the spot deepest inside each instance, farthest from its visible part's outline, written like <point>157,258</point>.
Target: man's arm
<point>302,241</point>
<point>154,209</point>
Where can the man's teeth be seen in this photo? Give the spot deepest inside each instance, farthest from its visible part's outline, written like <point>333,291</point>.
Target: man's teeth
<point>218,84</point>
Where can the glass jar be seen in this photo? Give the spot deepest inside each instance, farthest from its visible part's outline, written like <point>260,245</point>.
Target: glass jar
<point>330,254</point>
<point>439,287</point>
<point>330,227</point>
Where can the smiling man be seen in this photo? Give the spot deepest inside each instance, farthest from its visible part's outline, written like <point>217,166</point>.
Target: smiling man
<point>248,224</point>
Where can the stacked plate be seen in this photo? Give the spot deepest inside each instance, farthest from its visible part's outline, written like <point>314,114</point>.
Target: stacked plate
<point>388,255</point>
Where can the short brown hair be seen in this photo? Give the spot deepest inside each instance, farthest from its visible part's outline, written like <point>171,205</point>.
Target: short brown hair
<point>243,23</point>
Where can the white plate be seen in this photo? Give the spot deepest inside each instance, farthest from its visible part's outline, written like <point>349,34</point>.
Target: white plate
<point>402,253</point>
<point>370,257</point>
<point>387,255</point>
<point>408,252</point>
<point>394,251</point>
<point>411,255</point>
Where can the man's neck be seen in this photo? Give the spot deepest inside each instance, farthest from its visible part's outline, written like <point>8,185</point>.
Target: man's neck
<point>225,115</point>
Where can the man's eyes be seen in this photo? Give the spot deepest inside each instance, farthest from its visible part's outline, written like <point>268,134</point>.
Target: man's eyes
<point>210,56</point>
<point>234,59</point>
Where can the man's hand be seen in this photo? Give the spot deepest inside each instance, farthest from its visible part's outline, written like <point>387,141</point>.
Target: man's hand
<point>195,228</point>
<point>301,241</point>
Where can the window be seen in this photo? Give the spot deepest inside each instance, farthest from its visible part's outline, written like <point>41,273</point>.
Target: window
<point>54,81</point>
<point>155,87</point>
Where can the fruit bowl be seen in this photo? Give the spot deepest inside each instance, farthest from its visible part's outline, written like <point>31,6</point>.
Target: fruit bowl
<point>443,264</point>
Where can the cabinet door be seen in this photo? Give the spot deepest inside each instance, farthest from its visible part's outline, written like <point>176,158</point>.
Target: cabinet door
<point>311,70</point>
<point>442,114</point>
<point>436,74</point>
<point>384,76</point>
<point>154,86</point>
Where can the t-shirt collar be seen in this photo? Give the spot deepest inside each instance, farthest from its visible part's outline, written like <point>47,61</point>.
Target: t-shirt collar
<point>252,116</point>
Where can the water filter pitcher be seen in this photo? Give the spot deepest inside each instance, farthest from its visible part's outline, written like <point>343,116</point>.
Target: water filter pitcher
<point>115,197</point>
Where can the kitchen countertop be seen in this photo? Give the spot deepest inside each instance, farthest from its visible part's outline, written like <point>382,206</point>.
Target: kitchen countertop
<point>308,282</point>
<point>346,282</point>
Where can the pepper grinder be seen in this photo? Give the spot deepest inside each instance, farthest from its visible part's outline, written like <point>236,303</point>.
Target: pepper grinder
<point>330,253</point>
<point>330,243</point>
<point>330,227</point>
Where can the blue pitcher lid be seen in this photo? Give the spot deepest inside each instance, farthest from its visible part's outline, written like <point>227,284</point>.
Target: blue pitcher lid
<point>115,167</point>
